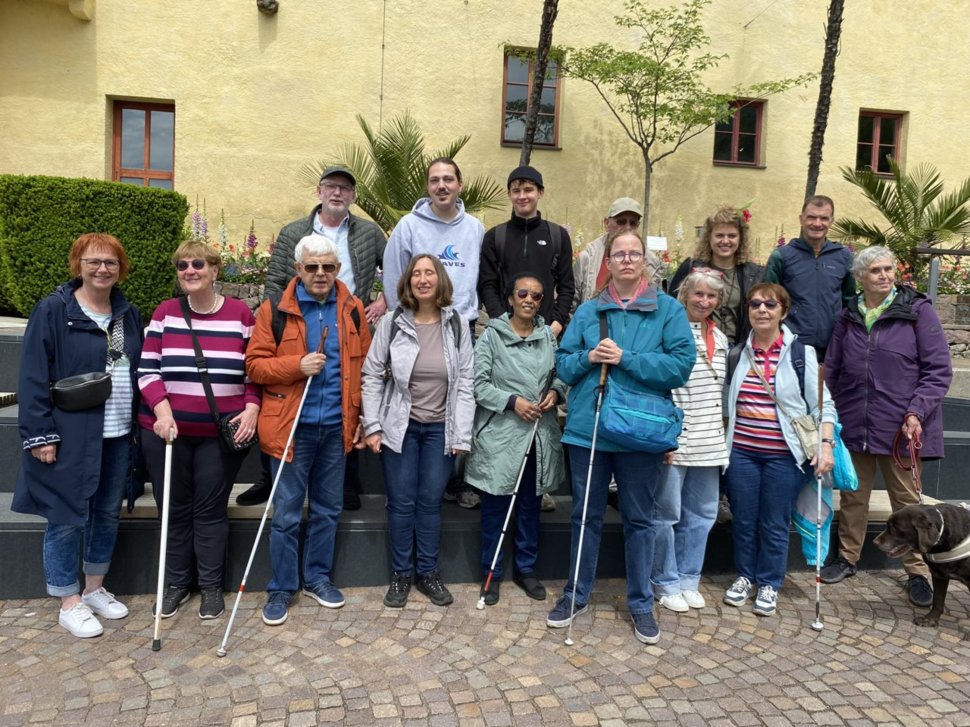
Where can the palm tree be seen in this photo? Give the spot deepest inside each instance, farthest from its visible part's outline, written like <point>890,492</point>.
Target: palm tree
<point>391,171</point>
<point>915,207</point>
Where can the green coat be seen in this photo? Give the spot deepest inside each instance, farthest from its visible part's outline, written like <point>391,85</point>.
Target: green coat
<point>507,365</point>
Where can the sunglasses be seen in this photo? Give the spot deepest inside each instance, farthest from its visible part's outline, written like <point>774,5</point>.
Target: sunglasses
<point>522,293</point>
<point>312,268</point>
<point>756,303</point>
<point>183,265</point>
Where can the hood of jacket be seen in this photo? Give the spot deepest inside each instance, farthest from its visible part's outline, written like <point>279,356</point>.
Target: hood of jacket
<point>503,329</point>
<point>423,211</point>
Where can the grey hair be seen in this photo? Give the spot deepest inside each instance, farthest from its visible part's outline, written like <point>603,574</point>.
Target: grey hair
<point>711,278</point>
<point>314,246</point>
<point>867,256</point>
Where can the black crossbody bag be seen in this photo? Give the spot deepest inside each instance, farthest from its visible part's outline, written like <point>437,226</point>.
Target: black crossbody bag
<point>227,428</point>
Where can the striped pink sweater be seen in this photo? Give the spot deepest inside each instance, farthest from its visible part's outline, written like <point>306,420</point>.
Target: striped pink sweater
<point>167,368</point>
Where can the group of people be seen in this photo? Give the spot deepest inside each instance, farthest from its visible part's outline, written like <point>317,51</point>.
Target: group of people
<point>737,347</point>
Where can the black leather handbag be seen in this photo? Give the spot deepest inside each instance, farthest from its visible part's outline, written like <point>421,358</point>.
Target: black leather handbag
<point>87,391</point>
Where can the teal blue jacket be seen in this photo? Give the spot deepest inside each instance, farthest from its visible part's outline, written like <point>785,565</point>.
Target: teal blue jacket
<point>658,355</point>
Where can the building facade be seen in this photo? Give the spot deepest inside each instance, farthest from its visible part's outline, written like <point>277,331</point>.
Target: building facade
<point>224,103</point>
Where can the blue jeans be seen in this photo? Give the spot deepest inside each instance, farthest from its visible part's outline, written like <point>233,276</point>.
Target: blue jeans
<point>415,480</point>
<point>686,509</point>
<point>762,489</point>
<point>638,478</point>
<point>525,521</point>
<point>316,473</point>
<point>61,542</point>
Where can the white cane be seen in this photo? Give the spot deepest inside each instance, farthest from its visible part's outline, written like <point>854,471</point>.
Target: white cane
<point>163,546</point>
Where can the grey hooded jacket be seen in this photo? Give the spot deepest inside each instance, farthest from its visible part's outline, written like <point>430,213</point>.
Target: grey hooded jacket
<point>387,403</point>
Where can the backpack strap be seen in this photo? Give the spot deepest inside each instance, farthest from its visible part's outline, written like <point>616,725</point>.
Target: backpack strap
<point>278,322</point>
<point>500,232</point>
<point>797,361</point>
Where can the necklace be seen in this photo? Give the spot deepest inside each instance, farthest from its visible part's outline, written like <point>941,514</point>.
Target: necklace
<point>215,305</point>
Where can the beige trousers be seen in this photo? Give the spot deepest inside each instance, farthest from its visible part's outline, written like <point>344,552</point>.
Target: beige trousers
<point>854,507</point>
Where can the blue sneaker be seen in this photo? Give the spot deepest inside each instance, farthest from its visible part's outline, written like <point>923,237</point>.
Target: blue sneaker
<point>326,594</point>
<point>645,627</point>
<point>277,608</point>
<point>559,615</point>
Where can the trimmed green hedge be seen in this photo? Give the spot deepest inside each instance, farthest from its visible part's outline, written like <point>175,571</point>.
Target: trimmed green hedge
<point>41,216</point>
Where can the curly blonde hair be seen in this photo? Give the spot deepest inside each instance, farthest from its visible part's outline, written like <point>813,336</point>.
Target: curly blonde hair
<point>724,216</point>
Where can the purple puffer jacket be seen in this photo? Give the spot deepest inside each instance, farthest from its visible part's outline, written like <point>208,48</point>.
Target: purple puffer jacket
<point>876,377</point>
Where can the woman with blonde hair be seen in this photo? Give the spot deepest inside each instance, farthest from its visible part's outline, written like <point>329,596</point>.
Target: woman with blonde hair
<point>725,246</point>
<point>175,404</point>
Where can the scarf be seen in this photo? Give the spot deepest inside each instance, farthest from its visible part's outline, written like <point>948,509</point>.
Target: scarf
<point>615,296</point>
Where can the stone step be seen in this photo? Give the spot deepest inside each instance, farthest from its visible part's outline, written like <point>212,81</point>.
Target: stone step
<point>361,556</point>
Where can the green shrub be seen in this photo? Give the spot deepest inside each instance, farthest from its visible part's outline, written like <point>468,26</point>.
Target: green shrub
<point>41,216</point>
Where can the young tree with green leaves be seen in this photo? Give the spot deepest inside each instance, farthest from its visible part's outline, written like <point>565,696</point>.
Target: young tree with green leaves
<point>915,207</point>
<point>391,169</point>
<point>657,92</point>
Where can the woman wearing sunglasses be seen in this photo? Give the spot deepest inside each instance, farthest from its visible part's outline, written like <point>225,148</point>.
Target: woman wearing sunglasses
<point>418,404</point>
<point>174,404</point>
<point>515,389</point>
<point>75,468</point>
<point>775,381</point>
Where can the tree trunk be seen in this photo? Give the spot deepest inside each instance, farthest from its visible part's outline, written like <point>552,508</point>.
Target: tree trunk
<point>833,33</point>
<point>647,180</point>
<point>550,9</point>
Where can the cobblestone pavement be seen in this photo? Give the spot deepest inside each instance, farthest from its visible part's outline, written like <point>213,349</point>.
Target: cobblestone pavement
<point>366,664</point>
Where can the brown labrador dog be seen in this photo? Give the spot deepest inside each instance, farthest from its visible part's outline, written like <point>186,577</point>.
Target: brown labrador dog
<point>941,533</point>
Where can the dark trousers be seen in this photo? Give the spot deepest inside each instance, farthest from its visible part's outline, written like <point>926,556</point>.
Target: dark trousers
<point>524,524</point>
<point>198,526</point>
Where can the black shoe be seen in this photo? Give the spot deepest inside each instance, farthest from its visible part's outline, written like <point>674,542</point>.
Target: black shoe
<point>920,593</point>
<point>431,586</point>
<point>172,598</point>
<point>351,499</point>
<point>491,596</point>
<point>838,570</point>
<point>258,493</point>
<point>213,604</point>
<point>397,592</point>
<point>531,585</point>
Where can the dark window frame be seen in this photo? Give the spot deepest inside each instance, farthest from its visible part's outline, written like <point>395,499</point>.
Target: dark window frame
<point>737,105</point>
<point>526,54</point>
<point>145,173</point>
<point>876,141</point>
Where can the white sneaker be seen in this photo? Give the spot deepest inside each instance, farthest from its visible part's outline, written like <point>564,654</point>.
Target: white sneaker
<point>104,604</point>
<point>694,599</point>
<point>675,603</point>
<point>80,621</point>
<point>766,601</point>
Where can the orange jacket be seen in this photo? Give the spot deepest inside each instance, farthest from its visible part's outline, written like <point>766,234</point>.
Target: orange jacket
<point>277,369</point>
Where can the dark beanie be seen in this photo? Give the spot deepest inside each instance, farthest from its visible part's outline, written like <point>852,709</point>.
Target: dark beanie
<point>528,173</point>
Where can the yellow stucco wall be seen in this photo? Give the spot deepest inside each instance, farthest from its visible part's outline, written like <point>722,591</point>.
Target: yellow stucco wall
<point>257,97</point>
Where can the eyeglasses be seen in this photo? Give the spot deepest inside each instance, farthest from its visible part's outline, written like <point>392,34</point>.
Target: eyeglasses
<point>94,264</point>
<point>522,293</point>
<point>183,265</point>
<point>312,268</point>
<point>331,187</point>
<point>633,257</point>
<point>756,303</point>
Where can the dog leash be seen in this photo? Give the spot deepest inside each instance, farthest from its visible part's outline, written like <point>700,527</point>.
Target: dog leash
<point>915,445</point>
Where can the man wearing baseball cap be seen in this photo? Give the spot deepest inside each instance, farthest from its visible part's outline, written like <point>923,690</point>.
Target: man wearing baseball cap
<point>360,249</point>
<point>590,268</point>
<point>528,243</point>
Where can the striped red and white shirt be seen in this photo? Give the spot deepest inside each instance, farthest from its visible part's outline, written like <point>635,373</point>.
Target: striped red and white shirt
<point>756,425</point>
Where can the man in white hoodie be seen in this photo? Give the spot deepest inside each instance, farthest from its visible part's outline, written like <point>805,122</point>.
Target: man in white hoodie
<point>439,225</point>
